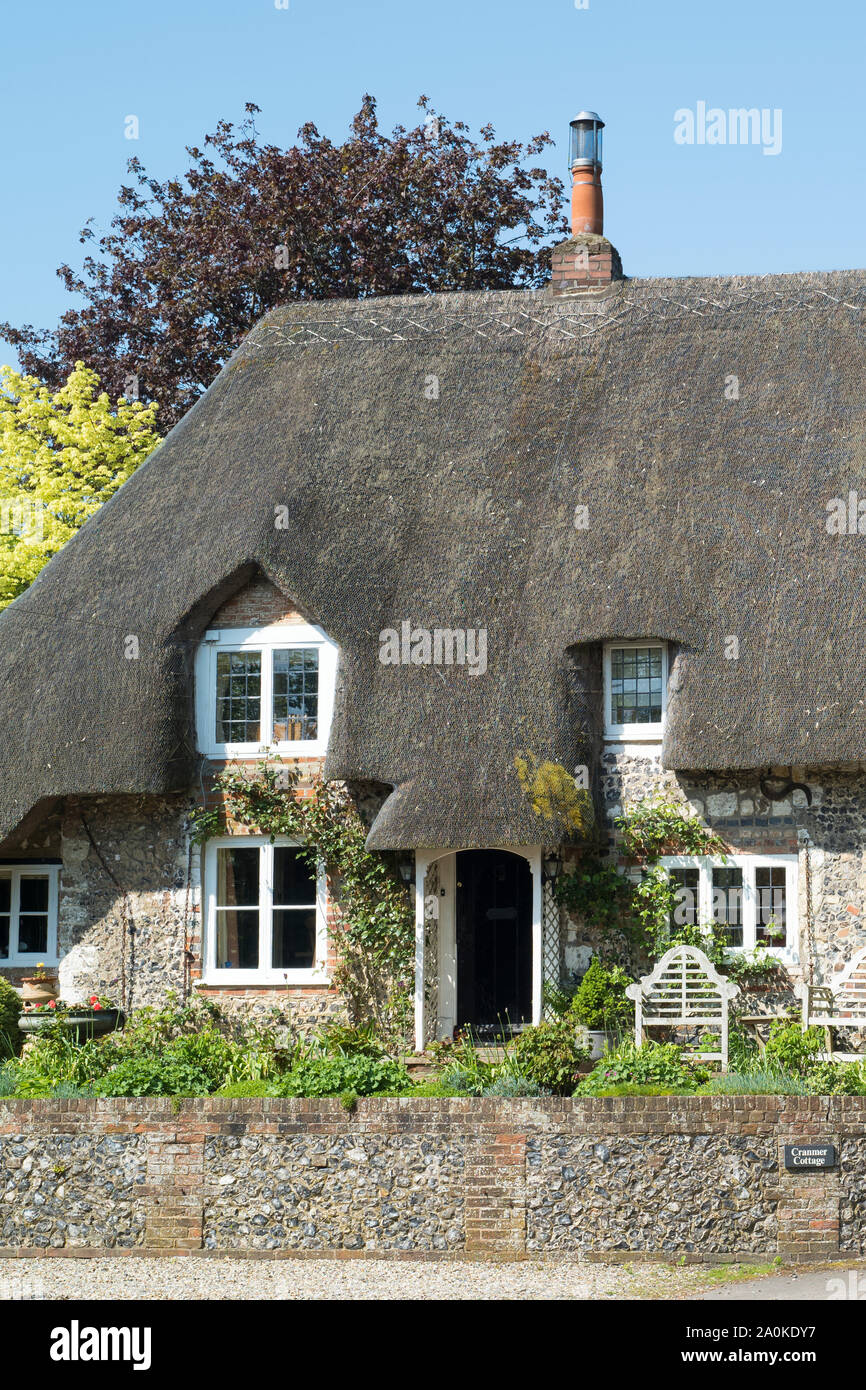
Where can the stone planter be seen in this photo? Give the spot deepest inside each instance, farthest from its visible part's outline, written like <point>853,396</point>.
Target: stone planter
<point>82,1023</point>
<point>35,990</point>
<point>601,1042</point>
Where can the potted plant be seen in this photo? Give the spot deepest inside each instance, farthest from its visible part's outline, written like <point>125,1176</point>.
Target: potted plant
<point>40,987</point>
<point>88,1020</point>
<point>600,1004</point>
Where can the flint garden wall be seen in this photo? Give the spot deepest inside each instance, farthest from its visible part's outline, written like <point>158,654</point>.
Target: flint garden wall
<point>661,1177</point>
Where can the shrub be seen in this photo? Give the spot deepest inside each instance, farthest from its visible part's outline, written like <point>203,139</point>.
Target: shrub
<point>835,1079</point>
<point>510,1087</point>
<point>792,1048</point>
<point>11,1036</point>
<point>194,1064</point>
<point>465,1082</point>
<point>549,1054</point>
<point>337,1074</point>
<point>652,1064</point>
<point>600,1000</point>
<point>767,1082</point>
<point>352,1040</point>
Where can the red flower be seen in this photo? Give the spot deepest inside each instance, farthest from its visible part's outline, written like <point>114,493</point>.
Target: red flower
<point>97,1006</point>
<point>52,1004</point>
<point>94,999</point>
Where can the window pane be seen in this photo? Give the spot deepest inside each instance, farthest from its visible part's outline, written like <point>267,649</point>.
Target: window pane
<point>294,879</point>
<point>34,893</point>
<point>239,693</point>
<point>237,940</point>
<point>294,938</point>
<point>728,903</point>
<point>636,685</point>
<point>4,937</point>
<point>296,694</point>
<point>771,915</point>
<point>32,933</point>
<point>5,895</point>
<point>685,907</point>
<point>238,877</point>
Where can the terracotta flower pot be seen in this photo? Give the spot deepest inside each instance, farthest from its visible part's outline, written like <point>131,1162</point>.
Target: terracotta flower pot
<point>38,991</point>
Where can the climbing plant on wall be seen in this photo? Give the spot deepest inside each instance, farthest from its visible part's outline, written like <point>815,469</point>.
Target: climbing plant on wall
<point>602,896</point>
<point>374,939</point>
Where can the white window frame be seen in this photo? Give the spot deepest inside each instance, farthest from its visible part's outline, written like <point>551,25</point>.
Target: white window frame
<point>267,640</point>
<point>33,869</point>
<point>786,951</point>
<point>212,973</point>
<point>646,733</point>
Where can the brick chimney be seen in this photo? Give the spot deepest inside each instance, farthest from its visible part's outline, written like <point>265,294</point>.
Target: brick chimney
<point>587,261</point>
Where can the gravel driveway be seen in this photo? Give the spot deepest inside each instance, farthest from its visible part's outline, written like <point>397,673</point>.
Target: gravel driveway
<point>182,1278</point>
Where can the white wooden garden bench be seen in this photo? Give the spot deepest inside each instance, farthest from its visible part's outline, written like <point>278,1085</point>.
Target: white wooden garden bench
<point>684,991</point>
<point>839,1004</point>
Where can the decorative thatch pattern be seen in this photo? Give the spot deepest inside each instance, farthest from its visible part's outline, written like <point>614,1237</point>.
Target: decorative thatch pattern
<point>706,520</point>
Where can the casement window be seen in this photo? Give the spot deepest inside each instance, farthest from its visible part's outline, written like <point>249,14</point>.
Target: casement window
<point>752,897</point>
<point>266,913</point>
<point>635,690</point>
<point>28,914</point>
<point>265,688</point>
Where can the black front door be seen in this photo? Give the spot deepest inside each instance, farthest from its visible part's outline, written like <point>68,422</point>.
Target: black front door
<point>494,939</point>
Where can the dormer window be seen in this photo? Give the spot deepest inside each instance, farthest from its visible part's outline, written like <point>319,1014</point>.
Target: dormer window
<point>265,688</point>
<point>635,690</point>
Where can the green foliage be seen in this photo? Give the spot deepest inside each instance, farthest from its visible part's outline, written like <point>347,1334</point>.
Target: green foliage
<point>835,1079</point>
<point>791,1048</point>
<point>749,967</point>
<point>193,1065</point>
<point>600,1000</point>
<point>375,940</point>
<point>511,1087</point>
<point>11,1037</point>
<point>631,1088</point>
<point>769,1081</point>
<point>9,1080</point>
<point>652,1064</point>
<point>596,892</point>
<point>657,826</point>
<point>237,1090</point>
<point>549,1054</point>
<point>743,1049</point>
<point>559,998</point>
<point>336,1074</point>
<point>62,454</point>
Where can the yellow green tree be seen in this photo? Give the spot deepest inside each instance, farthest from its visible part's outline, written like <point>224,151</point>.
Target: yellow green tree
<point>63,453</point>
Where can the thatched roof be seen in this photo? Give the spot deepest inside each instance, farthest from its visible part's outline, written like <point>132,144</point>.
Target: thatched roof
<point>706,520</point>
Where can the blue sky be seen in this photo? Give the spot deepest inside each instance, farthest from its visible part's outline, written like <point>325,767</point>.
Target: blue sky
<point>72,73</point>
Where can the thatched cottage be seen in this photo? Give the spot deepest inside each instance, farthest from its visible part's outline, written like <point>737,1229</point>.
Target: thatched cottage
<point>423,542</point>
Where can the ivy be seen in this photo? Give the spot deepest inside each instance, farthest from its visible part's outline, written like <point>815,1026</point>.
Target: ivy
<point>375,936</point>
<point>657,827</point>
<point>602,896</point>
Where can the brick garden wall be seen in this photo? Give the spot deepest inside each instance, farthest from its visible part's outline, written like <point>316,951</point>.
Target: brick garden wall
<point>659,1177</point>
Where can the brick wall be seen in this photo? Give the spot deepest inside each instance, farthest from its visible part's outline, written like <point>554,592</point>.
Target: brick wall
<point>700,1178</point>
<point>258,604</point>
